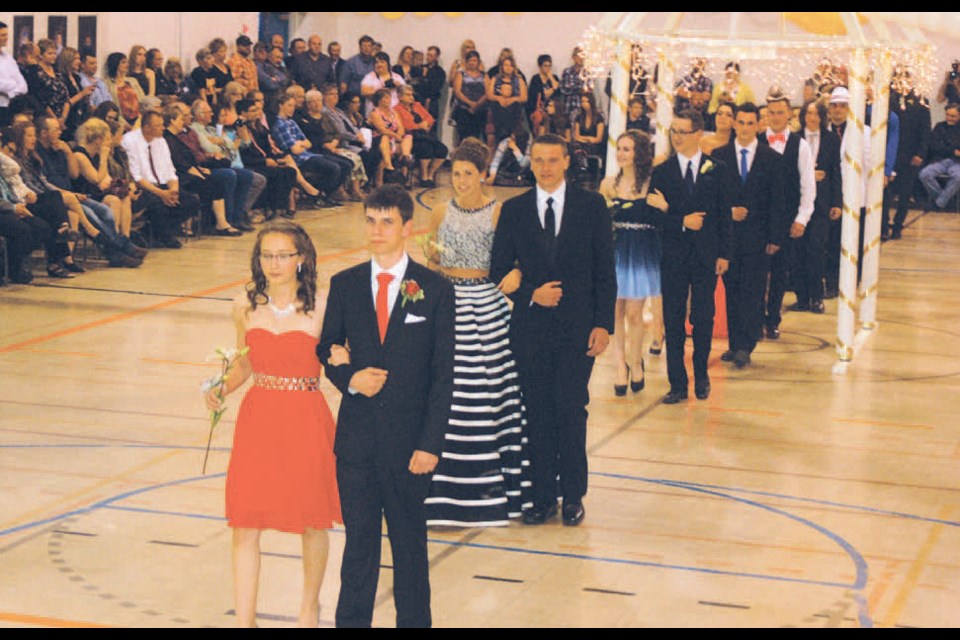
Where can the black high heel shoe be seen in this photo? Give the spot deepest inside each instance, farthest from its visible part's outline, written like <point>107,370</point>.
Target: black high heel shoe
<point>638,386</point>
<point>620,390</point>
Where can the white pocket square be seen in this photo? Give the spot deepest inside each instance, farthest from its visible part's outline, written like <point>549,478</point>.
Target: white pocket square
<point>413,319</point>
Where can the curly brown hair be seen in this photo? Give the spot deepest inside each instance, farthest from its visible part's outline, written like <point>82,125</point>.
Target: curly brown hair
<point>642,158</point>
<point>306,275</point>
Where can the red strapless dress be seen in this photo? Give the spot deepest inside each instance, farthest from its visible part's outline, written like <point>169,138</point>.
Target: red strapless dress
<point>282,472</point>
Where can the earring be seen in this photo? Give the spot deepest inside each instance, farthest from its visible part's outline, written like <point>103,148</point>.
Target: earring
<point>299,267</point>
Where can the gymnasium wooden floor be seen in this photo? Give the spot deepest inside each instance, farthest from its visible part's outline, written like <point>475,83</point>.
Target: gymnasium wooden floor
<point>793,497</point>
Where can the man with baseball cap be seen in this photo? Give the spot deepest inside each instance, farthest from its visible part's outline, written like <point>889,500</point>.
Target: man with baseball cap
<point>242,66</point>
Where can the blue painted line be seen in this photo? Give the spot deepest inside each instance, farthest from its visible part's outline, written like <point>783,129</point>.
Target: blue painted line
<point>552,554</point>
<point>120,446</point>
<point>420,198</point>
<point>181,514</point>
<point>852,507</point>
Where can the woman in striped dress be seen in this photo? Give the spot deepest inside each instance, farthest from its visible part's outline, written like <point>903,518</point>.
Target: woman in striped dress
<point>481,480</point>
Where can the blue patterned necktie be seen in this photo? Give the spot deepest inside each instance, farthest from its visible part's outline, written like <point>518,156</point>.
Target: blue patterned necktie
<point>744,170</point>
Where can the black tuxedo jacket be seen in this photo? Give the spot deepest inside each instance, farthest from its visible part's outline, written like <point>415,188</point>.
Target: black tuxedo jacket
<point>582,262</point>
<point>712,241</point>
<point>411,411</point>
<point>762,195</point>
<point>830,189</point>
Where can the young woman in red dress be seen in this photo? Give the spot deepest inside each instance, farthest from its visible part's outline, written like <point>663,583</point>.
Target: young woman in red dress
<point>282,473</point>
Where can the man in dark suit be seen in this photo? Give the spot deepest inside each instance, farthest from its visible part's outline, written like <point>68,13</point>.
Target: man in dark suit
<point>562,238</point>
<point>800,192</point>
<point>914,140</point>
<point>811,255</point>
<point>696,249</point>
<point>754,186</point>
<point>397,319</point>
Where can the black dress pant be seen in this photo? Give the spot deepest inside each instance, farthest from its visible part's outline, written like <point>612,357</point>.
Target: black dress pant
<point>370,491</point>
<point>164,220</point>
<point>696,282</point>
<point>555,372</point>
<point>280,182</point>
<point>780,264</point>
<point>902,188</point>
<point>744,283</point>
<point>49,208</point>
<point>23,235</point>
<point>809,259</point>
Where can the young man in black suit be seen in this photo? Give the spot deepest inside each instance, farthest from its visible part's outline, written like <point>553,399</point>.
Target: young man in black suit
<point>755,195</point>
<point>800,191</point>
<point>396,317</point>
<point>810,263</point>
<point>562,238</point>
<point>696,249</point>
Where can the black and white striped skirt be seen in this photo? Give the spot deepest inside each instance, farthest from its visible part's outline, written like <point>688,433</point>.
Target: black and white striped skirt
<point>482,479</point>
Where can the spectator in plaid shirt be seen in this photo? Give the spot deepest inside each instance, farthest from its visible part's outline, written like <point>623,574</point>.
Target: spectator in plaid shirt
<point>571,84</point>
<point>322,172</point>
<point>242,66</point>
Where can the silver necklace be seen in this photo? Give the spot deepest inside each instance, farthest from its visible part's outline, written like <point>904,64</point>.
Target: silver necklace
<point>280,313</point>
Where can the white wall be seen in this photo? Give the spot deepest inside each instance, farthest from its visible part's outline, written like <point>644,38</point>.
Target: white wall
<point>175,33</point>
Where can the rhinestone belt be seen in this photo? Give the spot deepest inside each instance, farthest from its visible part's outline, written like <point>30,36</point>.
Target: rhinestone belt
<point>633,226</point>
<point>467,281</point>
<point>279,383</point>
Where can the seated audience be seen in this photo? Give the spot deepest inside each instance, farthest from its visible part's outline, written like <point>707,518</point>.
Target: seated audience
<point>543,85</point>
<point>589,133</point>
<point>202,77</point>
<point>426,149</point>
<point>389,135</point>
<point>68,66</point>
<point>511,161</point>
<point>943,157</point>
<point>88,78</point>
<point>218,69</point>
<point>322,172</point>
<point>637,119</point>
<point>555,120</point>
<point>310,119</point>
<point>125,92</point>
<point>506,94</point>
<point>381,78</point>
<point>263,157</point>
<point>140,72</point>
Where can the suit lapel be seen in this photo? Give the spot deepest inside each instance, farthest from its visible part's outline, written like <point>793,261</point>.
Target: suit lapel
<point>368,311</point>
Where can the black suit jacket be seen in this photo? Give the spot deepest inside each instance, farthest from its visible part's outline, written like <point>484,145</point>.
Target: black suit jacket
<point>583,261</point>
<point>713,240</point>
<point>762,195</point>
<point>830,189</point>
<point>411,411</point>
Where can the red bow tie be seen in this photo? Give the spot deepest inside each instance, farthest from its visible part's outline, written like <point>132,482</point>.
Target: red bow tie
<point>778,137</point>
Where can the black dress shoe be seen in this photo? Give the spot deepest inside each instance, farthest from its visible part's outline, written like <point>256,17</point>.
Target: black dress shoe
<point>539,515</point>
<point>572,513</point>
<point>727,356</point>
<point>817,307</point>
<point>773,333</point>
<point>799,306</point>
<point>57,270</point>
<point>702,389</point>
<point>741,359</point>
<point>73,267</point>
<point>674,397</point>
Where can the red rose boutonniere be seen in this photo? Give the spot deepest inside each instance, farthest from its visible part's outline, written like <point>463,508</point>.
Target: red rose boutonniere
<point>411,292</point>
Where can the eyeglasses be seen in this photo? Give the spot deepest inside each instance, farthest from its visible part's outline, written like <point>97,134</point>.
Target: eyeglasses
<point>282,258</point>
<point>681,133</point>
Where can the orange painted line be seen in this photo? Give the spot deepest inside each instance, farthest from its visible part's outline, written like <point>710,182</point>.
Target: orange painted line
<point>43,621</point>
<point>755,412</point>
<point>883,423</point>
<point>178,362</point>
<point>117,318</point>
<point>57,352</point>
<point>18,346</point>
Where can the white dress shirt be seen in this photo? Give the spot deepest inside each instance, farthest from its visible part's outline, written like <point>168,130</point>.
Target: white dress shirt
<point>559,196</point>
<point>12,83</point>
<point>684,161</point>
<point>393,289</point>
<point>139,152</point>
<point>751,154</point>
<point>813,139</point>
<point>808,183</point>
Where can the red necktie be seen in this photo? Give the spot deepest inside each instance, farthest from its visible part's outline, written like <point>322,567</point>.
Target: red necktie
<point>777,137</point>
<point>383,307</point>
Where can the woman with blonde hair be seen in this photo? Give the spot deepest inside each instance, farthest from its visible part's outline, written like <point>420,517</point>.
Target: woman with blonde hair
<point>68,66</point>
